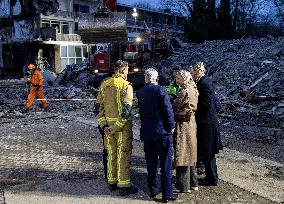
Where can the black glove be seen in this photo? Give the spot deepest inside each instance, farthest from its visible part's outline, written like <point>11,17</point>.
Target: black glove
<point>38,87</point>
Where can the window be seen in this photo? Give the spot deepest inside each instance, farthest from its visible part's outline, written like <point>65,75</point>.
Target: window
<point>56,26</point>
<point>64,63</point>
<point>85,51</point>
<point>85,9</point>
<point>72,61</point>
<point>65,29</point>
<point>76,7</point>
<point>148,19</point>
<point>72,54</point>
<point>63,51</point>
<point>78,51</point>
<point>71,51</point>
<point>60,26</point>
<point>45,25</point>
<point>81,8</point>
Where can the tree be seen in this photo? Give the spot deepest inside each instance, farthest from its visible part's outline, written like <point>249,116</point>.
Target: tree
<point>279,4</point>
<point>245,13</point>
<point>236,15</point>
<point>183,7</point>
<point>211,20</point>
<point>224,19</point>
<point>197,21</point>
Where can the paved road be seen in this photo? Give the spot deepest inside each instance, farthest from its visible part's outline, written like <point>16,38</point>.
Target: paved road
<point>58,160</point>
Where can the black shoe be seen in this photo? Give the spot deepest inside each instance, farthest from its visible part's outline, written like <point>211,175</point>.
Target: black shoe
<point>166,200</point>
<point>128,190</point>
<point>206,182</point>
<point>153,195</point>
<point>112,187</point>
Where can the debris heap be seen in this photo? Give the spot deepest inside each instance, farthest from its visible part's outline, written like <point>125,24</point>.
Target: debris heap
<point>237,66</point>
<point>249,73</point>
<point>60,98</point>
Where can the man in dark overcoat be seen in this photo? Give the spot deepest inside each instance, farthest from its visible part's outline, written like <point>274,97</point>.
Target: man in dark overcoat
<point>208,132</point>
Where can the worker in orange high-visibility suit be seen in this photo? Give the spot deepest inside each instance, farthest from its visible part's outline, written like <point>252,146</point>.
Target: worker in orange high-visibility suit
<point>35,83</point>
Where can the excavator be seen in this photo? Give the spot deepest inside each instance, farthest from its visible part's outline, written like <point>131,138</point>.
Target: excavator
<point>106,33</point>
<point>106,25</point>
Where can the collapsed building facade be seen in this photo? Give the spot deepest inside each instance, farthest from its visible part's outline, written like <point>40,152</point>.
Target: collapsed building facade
<point>56,33</point>
<point>33,30</point>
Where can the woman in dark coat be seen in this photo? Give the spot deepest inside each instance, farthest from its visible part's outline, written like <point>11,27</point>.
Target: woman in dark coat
<point>208,133</point>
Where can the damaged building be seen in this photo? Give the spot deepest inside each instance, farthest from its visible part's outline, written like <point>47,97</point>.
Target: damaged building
<point>37,30</point>
<point>152,19</point>
<point>56,33</point>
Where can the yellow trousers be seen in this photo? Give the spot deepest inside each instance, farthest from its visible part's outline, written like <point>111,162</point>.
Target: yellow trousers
<point>119,149</point>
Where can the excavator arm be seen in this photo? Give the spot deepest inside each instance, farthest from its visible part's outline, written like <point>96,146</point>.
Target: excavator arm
<point>104,26</point>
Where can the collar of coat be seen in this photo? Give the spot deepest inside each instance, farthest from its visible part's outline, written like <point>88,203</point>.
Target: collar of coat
<point>118,75</point>
<point>200,77</point>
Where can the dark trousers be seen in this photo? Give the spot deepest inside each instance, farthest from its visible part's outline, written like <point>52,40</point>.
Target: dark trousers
<point>161,149</point>
<point>104,152</point>
<point>210,169</point>
<point>186,177</point>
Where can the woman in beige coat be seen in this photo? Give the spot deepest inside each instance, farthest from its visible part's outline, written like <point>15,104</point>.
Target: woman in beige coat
<point>184,107</point>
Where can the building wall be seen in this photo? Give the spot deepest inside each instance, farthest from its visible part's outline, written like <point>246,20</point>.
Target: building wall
<point>91,4</point>
<point>156,21</point>
<point>57,59</point>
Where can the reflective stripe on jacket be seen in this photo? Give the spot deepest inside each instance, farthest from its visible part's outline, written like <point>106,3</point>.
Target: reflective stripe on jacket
<point>115,102</point>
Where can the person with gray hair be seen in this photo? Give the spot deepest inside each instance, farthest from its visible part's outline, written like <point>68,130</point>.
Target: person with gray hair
<point>157,128</point>
<point>151,75</point>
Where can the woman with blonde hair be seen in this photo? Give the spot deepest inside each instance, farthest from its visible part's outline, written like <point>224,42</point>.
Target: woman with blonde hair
<point>184,107</point>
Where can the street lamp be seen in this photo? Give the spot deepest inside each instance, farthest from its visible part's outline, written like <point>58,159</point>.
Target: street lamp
<point>138,39</point>
<point>135,14</point>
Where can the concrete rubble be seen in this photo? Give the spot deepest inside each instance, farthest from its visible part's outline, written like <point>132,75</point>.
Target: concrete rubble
<point>60,99</point>
<point>77,75</point>
<point>248,73</point>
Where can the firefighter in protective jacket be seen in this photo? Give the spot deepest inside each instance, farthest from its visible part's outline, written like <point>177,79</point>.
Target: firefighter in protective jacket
<point>115,103</point>
<point>35,83</point>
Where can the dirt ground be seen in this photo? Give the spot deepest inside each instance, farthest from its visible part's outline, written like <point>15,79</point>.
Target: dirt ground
<point>60,154</point>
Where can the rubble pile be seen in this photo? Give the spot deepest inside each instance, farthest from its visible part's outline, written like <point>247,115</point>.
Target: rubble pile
<point>60,99</point>
<point>243,70</point>
<point>77,75</point>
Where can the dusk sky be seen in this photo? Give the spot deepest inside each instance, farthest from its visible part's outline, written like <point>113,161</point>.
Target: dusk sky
<point>266,6</point>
